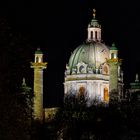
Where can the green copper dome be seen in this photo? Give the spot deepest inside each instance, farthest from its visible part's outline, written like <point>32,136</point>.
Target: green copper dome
<point>91,53</point>
<point>38,51</point>
<point>113,47</point>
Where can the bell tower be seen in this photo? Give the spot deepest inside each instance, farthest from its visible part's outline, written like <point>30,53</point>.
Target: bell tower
<point>38,65</point>
<point>114,63</point>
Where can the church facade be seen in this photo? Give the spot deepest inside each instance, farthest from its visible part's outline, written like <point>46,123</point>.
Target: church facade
<point>94,69</point>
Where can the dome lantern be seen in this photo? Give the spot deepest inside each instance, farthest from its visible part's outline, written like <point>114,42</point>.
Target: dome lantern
<point>94,29</point>
<point>113,51</point>
<point>38,56</point>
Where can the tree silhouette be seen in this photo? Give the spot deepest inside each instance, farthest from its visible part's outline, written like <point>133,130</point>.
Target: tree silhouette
<point>15,110</point>
<point>117,121</point>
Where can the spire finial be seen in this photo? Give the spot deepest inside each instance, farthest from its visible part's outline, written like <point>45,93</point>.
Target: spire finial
<point>137,78</point>
<point>94,13</point>
<point>23,82</point>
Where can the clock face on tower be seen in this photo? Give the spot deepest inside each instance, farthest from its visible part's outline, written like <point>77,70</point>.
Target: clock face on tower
<point>103,54</point>
<point>103,51</point>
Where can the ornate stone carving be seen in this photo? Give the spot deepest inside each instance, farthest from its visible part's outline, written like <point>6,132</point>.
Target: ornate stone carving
<point>81,67</point>
<point>74,70</point>
<point>67,72</point>
<point>90,70</point>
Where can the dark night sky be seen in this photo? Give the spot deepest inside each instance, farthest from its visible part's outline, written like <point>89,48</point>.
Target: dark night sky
<point>58,27</point>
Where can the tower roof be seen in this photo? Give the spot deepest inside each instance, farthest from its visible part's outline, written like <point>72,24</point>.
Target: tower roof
<point>38,51</point>
<point>113,47</point>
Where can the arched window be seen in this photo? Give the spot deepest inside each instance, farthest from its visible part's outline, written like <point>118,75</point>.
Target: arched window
<point>81,91</point>
<point>40,60</point>
<point>112,55</point>
<point>95,34</point>
<point>91,34</point>
<point>37,59</point>
<point>106,96</point>
<point>81,68</point>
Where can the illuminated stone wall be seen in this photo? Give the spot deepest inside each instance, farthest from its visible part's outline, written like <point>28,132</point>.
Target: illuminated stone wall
<point>113,81</point>
<point>38,65</point>
<point>98,30</point>
<point>94,89</point>
<point>38,94</point>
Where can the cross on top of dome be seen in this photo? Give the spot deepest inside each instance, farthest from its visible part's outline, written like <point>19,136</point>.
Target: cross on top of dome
<point>94,13</point>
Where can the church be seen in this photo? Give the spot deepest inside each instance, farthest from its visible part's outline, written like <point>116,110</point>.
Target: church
<point>94,70</point>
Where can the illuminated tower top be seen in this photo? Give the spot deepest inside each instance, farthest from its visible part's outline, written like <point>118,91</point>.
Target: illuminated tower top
<point>94,29</point>
<point>113,51</point>
<point>38,56</point>
<point>38,61</point>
